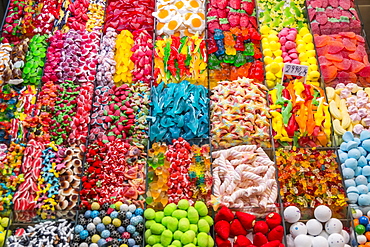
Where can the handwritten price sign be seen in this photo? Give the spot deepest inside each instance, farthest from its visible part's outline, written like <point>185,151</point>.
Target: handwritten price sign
<point>295,69</point>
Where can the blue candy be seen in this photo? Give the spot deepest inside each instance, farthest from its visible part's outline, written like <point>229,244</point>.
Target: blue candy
<point>366,145</point>
<point>361,179</point>
<point>351,144</point>
<point>121,229</point>
<point>362,151</point>
<point>343,157</point>
<point>100,227</point>
<point>128,215</point>
<point>354,153</point>
<point>105,234</point>
<point>101,242</point>
<point>139,211</point>
<point>366,170</point>
<point>361,162</point>
<point>347,136</point>
<point>88,214</point>
<point>94,214</point>
<point>351,163</point>
<point>365,135</point>
<point>349,183</point>
<point>352,189</point>
<point>352,197</point>
<point>84,234</point>
<point>78,229</point>
<point>131,242</point>
<point>363,189</point>
<point>364,200</point>
<point>130,229</point>
<point>134,221</point>
<point>363,220</point>
<point>114,214</point>
<point>344,146</point>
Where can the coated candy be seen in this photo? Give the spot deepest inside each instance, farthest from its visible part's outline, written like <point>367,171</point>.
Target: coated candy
<point>122,56</point>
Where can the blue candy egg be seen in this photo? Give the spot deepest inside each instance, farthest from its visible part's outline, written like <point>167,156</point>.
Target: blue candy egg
<point>131,242</point>
<point>363,220</point>
<point>105,234</point>
<point>101,242</point>
<point>351,163</point>
<point>94,214</point>
<point>348,173</point>
<point>344,146</point>
<point>349,183</point>
<point>362,189</point>
<point>365,135</point>
<point>131,229</point>
<point>347,136</point>
<point>352,197</point>
<point>139,211</point>
<point>361,180</point>
<point>364,200</point>
<point>351,144</point>
<point>368,227</point>
<point>114,214</point>
<point>343,157</point>
<point>354,153</point>
<point>79,229</point>
<point>366,145</point>
<point>100,227</point>
<point>84,234</point>
<point>128,215</point>
<point>87,214</point>
<point>121,229</point>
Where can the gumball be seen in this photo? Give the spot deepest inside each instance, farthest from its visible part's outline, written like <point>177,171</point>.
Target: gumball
<point>93,245</point>
<point>106,220</point>
<point>336,240</point>
<point>363,220</point>
<point>128,215</point>
<point>368,227</point>
<point>90,226</point>
<point>319,241</point>
<point>96,220</point>
<point>132,208</point>
<point>125,222</point>
<point>360,229</point>
<point>333,226</point>
<point>95,238</point>
<point>105,206</point>
<point>139,211</point>
<point>101,242</point>
<point>110,227</point>
<point>100,227</point>
<point>345,235</point>
<point>87,214</point>
<point>324,234</point>
<point>116,222</point>
<point>83,245</point>
<point>131,229</point>
<point>361,239</point>
<point>114,214</point>
<point>94,214</point>
<point>95,206</point>
<point>298,228</point>
<point>131,242</point>
<point>78,229</point>
<point>121,229</point>
<point>314,227</point>
<point>126,235</point>
<point>122,215</point>
<point>322,213</point>
<point>138,239</point>
<point>302,241</point>
<point>140,227</point>
<point>357,213</point>
<point>292,214</point>
<point>135,234</point>
<point>105,234</point>
<point>134,221</point>
<point>118,205</point>
<point>84,234</point>
<point>123,208</point>
<point>115,234</point>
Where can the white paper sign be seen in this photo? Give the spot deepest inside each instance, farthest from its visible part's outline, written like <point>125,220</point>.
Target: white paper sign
<point>295,69</point>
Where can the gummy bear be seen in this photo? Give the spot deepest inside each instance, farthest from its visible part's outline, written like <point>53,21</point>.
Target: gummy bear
<point>239,59</point>
<point>212,46</point>
<point>221,48</point>
<point>239,45</point>
<point>249,49</point>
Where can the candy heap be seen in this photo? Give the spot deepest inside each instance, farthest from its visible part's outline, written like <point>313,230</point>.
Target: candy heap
<point>244,177</point>
<point>343,58</point>
<point>239,114</point>
<point>168,183</point>
<point>294,120</point>
<point>332,17</point>
<point>310,178</point>
<point>5,222</point>
<point>245,230</point>
<point>177,59</point>
<point>110,224</point>
<point>361,224</point>
<point>179,109</point>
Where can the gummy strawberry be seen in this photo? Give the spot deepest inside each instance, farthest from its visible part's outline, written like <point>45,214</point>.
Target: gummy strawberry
<point>222,243</point>
<point>273,244</point>
<point>247,220</point>
<point>224,214</point>
<point>235,4</point>
<point>248,6</point>
<point>222,4</point>
<point>222,13</point>
<point>234,19</point>
<point>212,25</point>
<point>259,239</point>
<point>237,228</point>
<point>222,228</point>
<point>261,227</point>
<point>241,241</point>
<point>244,20</point>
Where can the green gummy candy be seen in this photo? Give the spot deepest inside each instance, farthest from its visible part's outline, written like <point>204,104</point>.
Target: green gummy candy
<point>177,243</point>
<point>179,214</point>
<point>154,239</point>
<point>149,223</point>
<point>193,215</point>
<point>169,209</point>
<point>166,220</point>
<point>194,227</point>
<point>188,237</point>
<point>183,204</point>
<point>172,224</point>
<point>149,214</point>
<point>166,238</point>
<point>157,228</point>
<point>159,216</point>
<point>177,235</point>
<point>201,208</point>
<point>208,219</point>
<point>171,245</point>
<point>147,234</point>
<point>211,242</point>
<point>203,226</point>
<point>148,245</point>
<point>190,245</point>
<point>202,239</point>
<point>184,224</point>
<point>157,245</point>
<point>195,241</point>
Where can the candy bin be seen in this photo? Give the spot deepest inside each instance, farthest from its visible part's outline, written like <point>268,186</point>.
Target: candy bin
<point>5,224</point>
<point>181,224</point>
<point>178,171</point>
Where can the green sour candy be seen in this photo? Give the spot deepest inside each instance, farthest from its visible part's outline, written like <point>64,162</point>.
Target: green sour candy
<point>154,239</point>
<point>165,220</point>
<point>187,237</point>
<point>203,226</point>
<point>201,208</point>
<point>202,239</point>
<point>157,228</point>
<point>183,204</point>
<point>211,242</point>
<point>147,234</point>
<point>149,223</point>
<point>157,245</point>
<point>240,59</point>
<point>194,227</point>
<point>159,216</point>
<point>177,243</point>
<point>190,245</point>
<point>177,235</point>
<point>208,219</point>
<point>149,214</point>
<point>169,209</point>
<point>166,238</point>
<point>184,224</point>
<point>179,214</point>
<point>193,215</point>
<point>172,224</point>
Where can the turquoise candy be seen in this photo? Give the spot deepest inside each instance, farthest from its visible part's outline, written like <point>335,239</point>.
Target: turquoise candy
<point>179,110</point>
<point>361,179</point>
<point>357,140</point>
<point>366,171</point>
<point>362,162</point>
<point>351,163</point>
<point>344,146</point>
<point>348,136</point>
<point>343,157</point>
<point>348,173</point>
<point>364,200</point>
<point>358,171</point>
<point>362,151</point>
<point>351,144</point>
<point>365,135</point>
<point>352,189</point>
<point>352,197</point>
<point>362,189</point>
<point>349,182</point>
<point>354,153</point>
<point>366,145</point>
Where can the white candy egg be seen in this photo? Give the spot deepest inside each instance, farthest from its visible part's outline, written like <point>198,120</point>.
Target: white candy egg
<point>319,241</point>
<point>361,239</point>
<point>314,227</point>
<point>297,229</point>
<point>302,241</point>
<point>357,213</point>
<point>292,214</point>
<point>333,226</point>
<point>324,234</point>
<point>290,240</point>
<point>336,240</point>
<point>345,235</point>
<point>368,214</point>
<point>322,213</point>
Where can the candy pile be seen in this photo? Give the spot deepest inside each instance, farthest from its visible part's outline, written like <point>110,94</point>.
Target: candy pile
<point>168,183</point>
<point>5,69</point>
<point>107,65</point>
<point>239,114</point>
<point>179,109</point>
<point>180,17</point>
<point>142,57</point>
<point>322,230</point>
<point>245,230</point>
<point>244,177</point>
<point>123,53</point>
<point>48,233</point>
<point>343,58</point>
<point>309,178</point>
<point>294,120</point>
<point>353,155</point>
<point>361,224</point>
<point>12,25</point>
<point>177,59</point>
<point>110,225</point>
<point>179,225</point>
<point>4,223</point>
<point>348,105</point>
<point>18,59</point>
<point>332,17</point>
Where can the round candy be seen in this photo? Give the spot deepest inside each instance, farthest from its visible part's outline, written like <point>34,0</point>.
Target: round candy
<point>292,214</point>
<point>314,227</point>
<point>87,214</point>
<point>121,229</point>
<point>363,220</point>
<point>114,214</point>
<point>368,227</point>
<point>324,234</point>
<point>357,213</point>
<point>83,245</point>
<point>116,222</point>
<point>101,242</point>
<point>106,220</point>
<point>298,228</point>
<point>90,226</point>
<point>96,220</point>
<point>336,240</point>
<point>345,235</point>
<point>105,234</point>
<point>100,227</point>
<point>84,234</point>
<point>123,208</point>
<point>131,229</point>
<point>361,239</point>
<point>333,226</point>
<point>134,220</point>
<point>94,214</point>
<point>131,242</point>
<point>93,245</point>
<point>302,241</point>
<point>139,211</point>
<point>360,229</point>
<point>95,238</point>
<point>319,241</point>
<point>322,213</point>
<point>118,205</point>
<point>78,229</point>
<point>361,179</point>
<point>95,206</point>
<point>132,208</point>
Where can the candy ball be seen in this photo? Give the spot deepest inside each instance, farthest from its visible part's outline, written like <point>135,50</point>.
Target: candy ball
<point>128,215</point>
<point>93,245</point>
<point>364,200</point>
<point>298,228</point>
<point>361,239</point>
<point>87,214</point>
<point>351,163</point>
<point>132,208</point>
<point>134,220</point>
<point>95,238</point>
<point>314,227</point>
<point>123,208</point>
<point>319,241</point>
<point>101,242</point>
<point>95,206</point>
<point>354,153</point>
<point>94,214</point>
<point>90,226</point>
<point>118,205</point>
<point>83,245</point>
<point>349,183</point>
<point>322,213</point>
<point>114,214</point>
<point>360,229</point>
<point>96,220</point>
<point>336,240</point>
<point>362,189</point>
<point>139,211</point>
<point>84,234</point>
<point>100,227</point>
<point>105,234</point>
<point>292,214</point>
<point>121,229</point>
<point>361,180</point>
<point>324,234</point>
<point>363,220</point>
<point>302,241</point>
<point>131,242</point>
<point>333,226</point>
<point>348,173</point>
<point>345,235</point>
<point>116,222</point>
<point>357,213</point>
<point>106,220</point>
<point>78,229</point>
<point>131,229</point>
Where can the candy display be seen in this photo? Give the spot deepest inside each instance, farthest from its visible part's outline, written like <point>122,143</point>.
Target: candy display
<point>242,116</point>
<point>309,178</point>
<point>332,17</point>
<point>179,109</point>
<point>5,222</point>
<point>179,225</point>
<point>361,222</point>
<point>178,171</point>
<point>343,58</point>
<point>294,120</point>
<point>246,230</point>
<point>247,182</point>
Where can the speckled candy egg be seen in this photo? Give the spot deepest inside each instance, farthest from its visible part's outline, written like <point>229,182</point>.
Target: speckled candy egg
<point>322,213</point>
<point>357,213</point>
<point>319,241</point>
<point>333,226</point>
<point>314,227</point>
<point>292,214</point>
<point>302,241</point>
<point>336,240</point>
<point>298,228</point>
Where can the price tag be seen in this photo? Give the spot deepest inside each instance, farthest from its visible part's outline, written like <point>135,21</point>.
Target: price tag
<point>295,69</point>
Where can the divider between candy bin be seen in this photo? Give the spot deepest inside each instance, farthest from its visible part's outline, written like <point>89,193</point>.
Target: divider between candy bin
<point>5,15</point>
